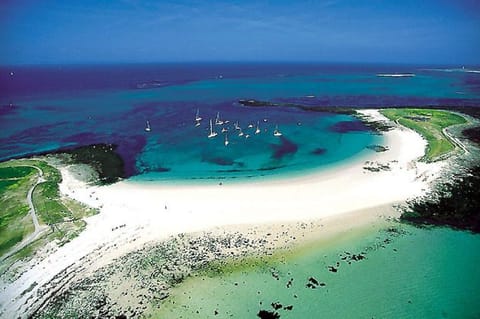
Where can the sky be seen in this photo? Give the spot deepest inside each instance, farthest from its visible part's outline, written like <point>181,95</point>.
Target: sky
<point>365,31</point>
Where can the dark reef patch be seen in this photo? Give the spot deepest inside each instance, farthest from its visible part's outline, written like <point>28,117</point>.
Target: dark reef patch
<point>222,161</point>
<point>318,151</point>
<point>286,147</point>
<point>160,169</point>
<point>270,168</point>
<point>348,126</point>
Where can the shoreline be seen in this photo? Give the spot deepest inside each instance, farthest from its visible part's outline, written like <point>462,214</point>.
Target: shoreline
<point>162,211</point>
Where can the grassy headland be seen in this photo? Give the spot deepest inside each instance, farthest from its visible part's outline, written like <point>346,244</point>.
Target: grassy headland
<point>430,124</point>
<point>60,216</point>
<point>454,203</point>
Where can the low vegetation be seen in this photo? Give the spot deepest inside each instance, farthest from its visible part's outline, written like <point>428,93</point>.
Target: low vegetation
<point>103,158</point>
<point>15,223</point>
<point>62,215</point>
<point>430,124</point>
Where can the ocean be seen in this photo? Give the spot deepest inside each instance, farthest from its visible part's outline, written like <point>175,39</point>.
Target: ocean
<point>45,108</point>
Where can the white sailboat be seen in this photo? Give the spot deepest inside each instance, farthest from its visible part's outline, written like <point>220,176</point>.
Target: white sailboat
<point>197,116</point>
<point>257,131</point>
<point>197,123</point>
<point>147,127</point>
<point>236,126</point>
<point>226,142</point>
<point>276,132</point>
<point>217,119</point>
<point>241,133</point>
<point>212,132</point>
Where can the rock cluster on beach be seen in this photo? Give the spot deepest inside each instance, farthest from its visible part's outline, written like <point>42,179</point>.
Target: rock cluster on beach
<point>139,282</point>
<point>131,284</point>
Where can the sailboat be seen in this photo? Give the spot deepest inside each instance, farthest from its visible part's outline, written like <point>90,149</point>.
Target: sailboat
<point>237,127</point>
<point>226,139</point>
<point>276,132</point>
<point>217,119</point>
<point>197,123</point>
<point>147,127</point>
<point>197,116</point>
<point>257,131</point>
<point>212,132</point>
<point>241,133</point>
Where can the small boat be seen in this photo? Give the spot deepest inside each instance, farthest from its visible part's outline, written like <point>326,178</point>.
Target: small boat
<point>212,132</point>
<point>197,123</point>
<point>147,127</point>
<point>276,132</point>
<point>217,119</point>
<point>198,118</point>
<point>247,136</point>
<point>236,126</point>
<point>257,131</point>
<point>250,125</point>
<point>224,130</point>
<point>226,142</point>
<point>241,133</point>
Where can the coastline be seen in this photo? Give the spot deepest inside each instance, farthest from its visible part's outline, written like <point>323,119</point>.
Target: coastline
<point>347,196</point>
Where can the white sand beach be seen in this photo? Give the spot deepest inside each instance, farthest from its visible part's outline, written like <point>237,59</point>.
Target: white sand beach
<point>133,214</point>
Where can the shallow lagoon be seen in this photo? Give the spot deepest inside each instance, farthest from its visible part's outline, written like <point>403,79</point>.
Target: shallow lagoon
<point>407,273</point>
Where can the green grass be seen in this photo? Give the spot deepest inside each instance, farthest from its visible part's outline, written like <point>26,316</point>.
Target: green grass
<point>428,123</point>
<point>6,184</point>
<point>15,172</point>
<point>63,215</point>
<point>9,239</point>
<point>14,224</point>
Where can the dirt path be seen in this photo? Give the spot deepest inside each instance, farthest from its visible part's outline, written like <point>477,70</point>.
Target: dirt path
<point>455,141</point>
<point>38,228</point>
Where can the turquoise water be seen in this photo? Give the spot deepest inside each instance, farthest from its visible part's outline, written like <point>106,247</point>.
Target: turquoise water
<point>419,274</point>
<point>44,108</point>
<point>177,149</point>
<point>307,142</point>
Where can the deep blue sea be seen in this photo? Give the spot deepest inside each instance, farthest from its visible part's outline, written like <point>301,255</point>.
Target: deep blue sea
<point>45,108</point>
